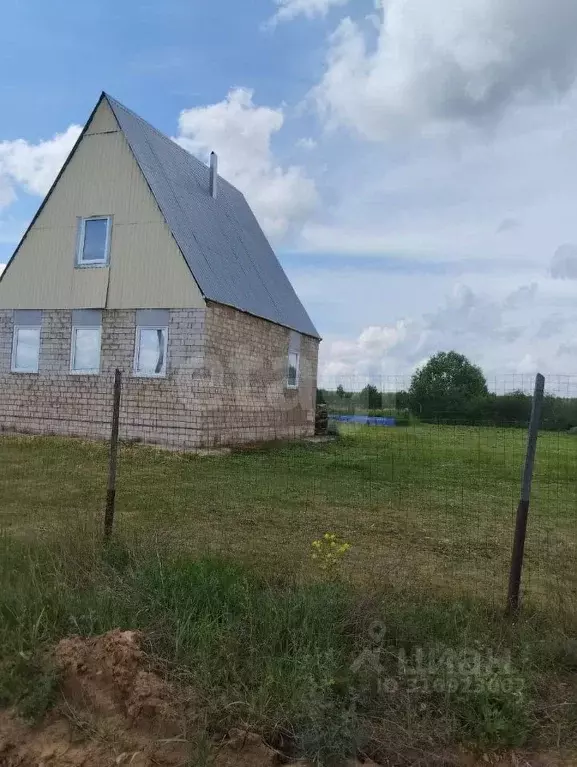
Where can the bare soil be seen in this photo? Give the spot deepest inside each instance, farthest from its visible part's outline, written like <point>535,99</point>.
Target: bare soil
<point>116,710</point>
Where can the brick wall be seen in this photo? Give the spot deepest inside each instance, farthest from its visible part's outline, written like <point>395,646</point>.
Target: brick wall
<point>247,399</point>
<point>55,401</point>
<point>225,383</point>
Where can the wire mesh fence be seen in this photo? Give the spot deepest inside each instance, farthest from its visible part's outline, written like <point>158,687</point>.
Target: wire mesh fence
<point>426,502</point>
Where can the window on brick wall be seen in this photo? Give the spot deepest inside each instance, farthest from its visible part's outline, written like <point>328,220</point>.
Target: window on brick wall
<point>26,341</point>
<point>25,349</point>
<point>150,351</point>
<point>85,354</point>
<point>85,341</point>
<point>293,370</point>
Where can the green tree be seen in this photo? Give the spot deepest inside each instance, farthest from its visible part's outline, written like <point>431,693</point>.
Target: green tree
<point>402,400</point>
<point>448,386</point>
<point>340,391</point>
<point>371,397</point>
<point>321,397</point>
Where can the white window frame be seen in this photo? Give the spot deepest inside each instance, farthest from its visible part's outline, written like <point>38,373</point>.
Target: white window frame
<point>143,374</point>
<point>91,372</point>
<point>15,330</point>
<point>296,384</point>
<point>80,261</point>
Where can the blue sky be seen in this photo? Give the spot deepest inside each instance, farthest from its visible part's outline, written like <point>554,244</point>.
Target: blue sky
<point>414,167</point>
<point>157,57</point>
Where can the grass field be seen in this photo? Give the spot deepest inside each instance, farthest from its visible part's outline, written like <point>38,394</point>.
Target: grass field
<point>423,506</point>
<point>211,559</point>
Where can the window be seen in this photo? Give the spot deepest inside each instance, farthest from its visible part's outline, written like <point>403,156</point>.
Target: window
<point>150,353</point>
<point>85,341</point>
<point>94,241</point>
<point>85,352</point>
<point>293,370</point>
<point>25,348</point>
<point>150,349</point>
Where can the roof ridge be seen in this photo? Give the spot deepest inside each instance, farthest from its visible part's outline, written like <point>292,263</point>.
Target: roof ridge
<point>150,125</point>
<point>163,136</point>
<point>227,252</point>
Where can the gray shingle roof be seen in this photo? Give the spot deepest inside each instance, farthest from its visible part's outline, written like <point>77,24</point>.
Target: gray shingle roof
<point>220,239</point>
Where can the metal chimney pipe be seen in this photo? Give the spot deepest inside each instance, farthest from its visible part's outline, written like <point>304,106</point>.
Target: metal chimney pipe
<point>213,174</point>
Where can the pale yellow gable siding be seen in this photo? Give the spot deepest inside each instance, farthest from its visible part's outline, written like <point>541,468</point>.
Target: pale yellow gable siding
<point>103,120</point>
<point>147,270</point>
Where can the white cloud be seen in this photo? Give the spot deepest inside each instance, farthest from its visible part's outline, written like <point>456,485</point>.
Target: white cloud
<point>240,132</point>
<point>33,166</point>
<point>507,225</point>
<point>432,206</point>
<point>307,142</point>
<point>435,63</point>
<point>7,193</point>
<point>379,324</point>
<point>564,263</point>
<point>290,9</point>
<point>445,198</point>
<point>466,321</point>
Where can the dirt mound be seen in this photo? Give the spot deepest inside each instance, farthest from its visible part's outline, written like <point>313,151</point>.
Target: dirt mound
<point>117,710</point>
<point>52,744</point>
<point>245,749</point>
<point>106,675</point>
<point>114,710</point>
<point>55,744</point>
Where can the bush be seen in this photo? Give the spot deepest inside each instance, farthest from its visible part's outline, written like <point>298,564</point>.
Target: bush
<point>512,409</point>
<point>559,414</point>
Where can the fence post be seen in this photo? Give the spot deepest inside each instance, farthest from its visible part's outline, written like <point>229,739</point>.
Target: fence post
<point>113,459</point>
<point>523,507</point>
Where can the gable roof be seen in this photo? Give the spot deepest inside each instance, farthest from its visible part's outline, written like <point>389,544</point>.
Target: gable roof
<point>220,239</point>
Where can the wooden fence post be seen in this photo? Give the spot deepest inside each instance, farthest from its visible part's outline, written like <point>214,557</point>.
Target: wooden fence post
<point>113,458</point>
<point>523,507</point>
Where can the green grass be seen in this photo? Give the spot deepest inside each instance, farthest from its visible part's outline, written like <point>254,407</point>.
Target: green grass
<point>427,505</point>
<point>321,668</point>
<point>211,559</point>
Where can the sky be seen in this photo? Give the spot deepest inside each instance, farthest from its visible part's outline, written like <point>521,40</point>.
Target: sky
<point>414,164</point>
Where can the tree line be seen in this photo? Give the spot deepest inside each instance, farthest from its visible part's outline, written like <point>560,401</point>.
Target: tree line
<point>449,388</point>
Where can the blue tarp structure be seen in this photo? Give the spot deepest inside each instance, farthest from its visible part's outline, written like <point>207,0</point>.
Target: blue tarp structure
<point>367,420</point>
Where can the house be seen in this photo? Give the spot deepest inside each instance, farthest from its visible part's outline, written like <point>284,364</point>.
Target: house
<point>144,259</point>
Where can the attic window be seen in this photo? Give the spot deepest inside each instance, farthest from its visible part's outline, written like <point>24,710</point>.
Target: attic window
<point>94,241</point>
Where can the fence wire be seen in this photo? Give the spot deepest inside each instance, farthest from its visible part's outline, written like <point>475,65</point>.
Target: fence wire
<point>426,503</point>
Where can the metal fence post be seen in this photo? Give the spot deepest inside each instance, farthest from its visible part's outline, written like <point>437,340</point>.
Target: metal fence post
<point>523,507</point>
<point>113,458</point>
